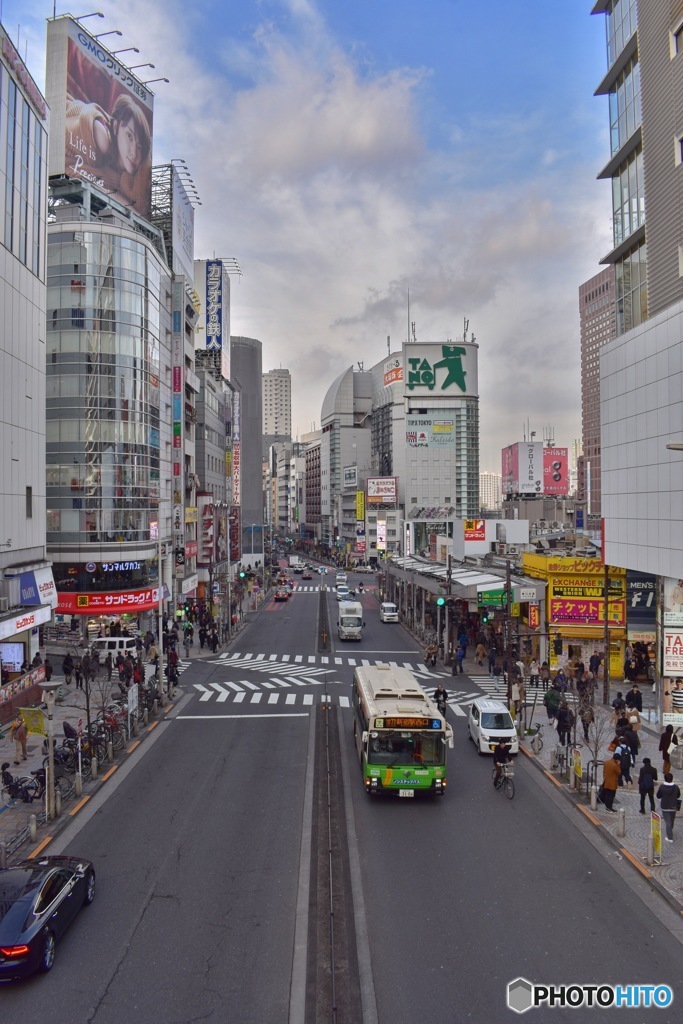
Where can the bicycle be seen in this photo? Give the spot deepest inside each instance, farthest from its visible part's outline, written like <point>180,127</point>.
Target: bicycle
<point>505,780</point>
<point>536,737</point>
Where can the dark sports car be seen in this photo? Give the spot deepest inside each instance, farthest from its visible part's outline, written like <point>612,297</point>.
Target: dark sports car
<point>38,901</point>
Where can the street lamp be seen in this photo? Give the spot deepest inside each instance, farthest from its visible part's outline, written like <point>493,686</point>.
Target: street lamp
<point>49,691</point>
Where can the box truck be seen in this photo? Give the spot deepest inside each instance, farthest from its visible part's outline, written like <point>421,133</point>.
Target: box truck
<point>350,622</point>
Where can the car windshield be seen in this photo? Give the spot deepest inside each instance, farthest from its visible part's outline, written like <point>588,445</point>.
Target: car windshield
<point>496,720</point>
<point>351,620</point>
<point>389,607</point>
<point>391,747</point>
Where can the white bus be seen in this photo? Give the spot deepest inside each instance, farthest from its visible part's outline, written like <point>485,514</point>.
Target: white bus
<point>401,739</point>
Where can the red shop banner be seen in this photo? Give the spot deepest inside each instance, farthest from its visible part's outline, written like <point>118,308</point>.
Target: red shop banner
<point>118,602</point>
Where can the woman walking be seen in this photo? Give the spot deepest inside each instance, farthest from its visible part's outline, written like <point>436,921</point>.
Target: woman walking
<point>667,740</point>
<point>669,796</point>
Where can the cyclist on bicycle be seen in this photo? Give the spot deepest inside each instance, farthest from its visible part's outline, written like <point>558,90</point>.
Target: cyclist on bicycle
<point>501,756</point>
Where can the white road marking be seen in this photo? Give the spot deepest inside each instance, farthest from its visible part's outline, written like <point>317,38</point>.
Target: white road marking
<point>280,682</point>
<point>344,702</point>
<point>290,698</point>
<point>239,697</point>
<point>206,695</point>
<point>298,657</point>
<point>256,697</point>
<point>308,698</point>
<point>281,714</point>
<point>273,698</point>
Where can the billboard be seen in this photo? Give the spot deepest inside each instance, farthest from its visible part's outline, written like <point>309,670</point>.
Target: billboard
<point>672,652</point>
<point>212,284</point>
<point>475,529</point>
<point>381,490</point>
<point>673,602</point>
<point>430,431</point>
<point>522,468</point>
<point>555,471</point>
<point>182,236</point>
<point>641,609</point>
<point>102,116</point>
<point>236,447</point>
<point>350,478</point>
<point>447,371</point>
<point>393,371</point>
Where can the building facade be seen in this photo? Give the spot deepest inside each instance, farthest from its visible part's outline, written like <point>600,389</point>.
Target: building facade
<point>246,377</point>
<point>597,325</point>
<point>27,592</point>
<point>277,404</point>
<point>490,491</point>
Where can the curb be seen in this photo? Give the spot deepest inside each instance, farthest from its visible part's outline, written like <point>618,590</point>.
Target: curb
<point>642,868</point>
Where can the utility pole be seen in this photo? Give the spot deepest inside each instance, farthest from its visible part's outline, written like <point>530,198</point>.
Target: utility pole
<point>605,667</point>
<point>508,625</point>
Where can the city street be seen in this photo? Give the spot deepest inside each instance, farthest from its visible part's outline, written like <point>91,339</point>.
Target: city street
<point>203,896</point>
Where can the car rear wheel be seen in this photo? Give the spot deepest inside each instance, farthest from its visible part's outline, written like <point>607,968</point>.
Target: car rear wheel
<point>47,957</point>
<point>89,888</point>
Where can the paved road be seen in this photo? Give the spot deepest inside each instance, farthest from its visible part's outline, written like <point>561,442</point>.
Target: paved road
<point>199,847</point>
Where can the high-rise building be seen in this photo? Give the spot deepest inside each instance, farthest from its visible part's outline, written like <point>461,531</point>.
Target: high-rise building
<point>597,324</point>
<point>641,369</point>
<point>27,591</point>
<point>246,377</point>
<point>490,491</point>
<point>277,404</point>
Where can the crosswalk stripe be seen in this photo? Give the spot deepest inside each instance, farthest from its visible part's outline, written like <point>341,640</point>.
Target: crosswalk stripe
<point>272,657</point>
<point>206,695</point>
<point>302,682</point>
<point>250,686</point>
<point>290,698</point>
<point>222,694</point>
<point>285,657</point>
<point>260,657</point>
<point>268,686</point>
<point>239,697</point>
<point>247,656</point>
<point>351,661</point>
<point>273,698</point>
<point>298,657</point>
<point>308,698</point>
<point>280,682</point>
<point>311,659</point>
<point>344,702</point>
<point>324,660</point>
<point>256,698</point>
<point>338,661</point>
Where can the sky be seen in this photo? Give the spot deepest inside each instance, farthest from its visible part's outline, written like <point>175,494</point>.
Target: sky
<point>374,163</point>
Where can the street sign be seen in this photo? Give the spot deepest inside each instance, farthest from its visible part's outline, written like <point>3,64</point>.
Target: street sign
<point>495,597</point>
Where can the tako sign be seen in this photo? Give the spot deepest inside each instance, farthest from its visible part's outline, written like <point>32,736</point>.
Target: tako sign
<point>447,371</point>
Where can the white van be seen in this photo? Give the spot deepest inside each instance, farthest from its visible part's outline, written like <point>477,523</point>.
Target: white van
<point>489,722</point>
<point>350,620</point>
<point>115,644</point>
<point>388,612</point>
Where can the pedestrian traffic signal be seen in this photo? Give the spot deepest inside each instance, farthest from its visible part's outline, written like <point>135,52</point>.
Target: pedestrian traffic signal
<point>484,615</point>
<point>242,574</point>
<point>440,601</point>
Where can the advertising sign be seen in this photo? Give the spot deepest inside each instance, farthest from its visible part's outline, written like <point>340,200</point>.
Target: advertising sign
<point>393,371</point>
<point>510,470</point>
<point>235,533</point>
<point>206,539</point>
<point>182,238</point>
<point>381,534</point>
<point>430,431</point>
<point>360,505</point>
<point>534,616</point>
<point>35,720</point>
<point>475,529</point>
<point>673,602</point>
<point>381,490</point>
<point>101,130</point>
<point>585,611</point>
<point>672,652</point>
<point>556,471</point>
<point>214,304</point>
<point>641,609</point>
<point>449,371</point>
<point>108,603</point>
<point>350,478</point>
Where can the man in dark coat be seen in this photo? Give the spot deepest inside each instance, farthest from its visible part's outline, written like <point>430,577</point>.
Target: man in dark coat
<point>634,698</point>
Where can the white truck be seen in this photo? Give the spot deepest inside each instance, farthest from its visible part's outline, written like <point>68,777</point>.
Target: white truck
<point>294,560</point>
<point>350,621</point>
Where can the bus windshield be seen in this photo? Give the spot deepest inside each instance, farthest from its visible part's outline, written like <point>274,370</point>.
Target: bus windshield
<point>394,746</point>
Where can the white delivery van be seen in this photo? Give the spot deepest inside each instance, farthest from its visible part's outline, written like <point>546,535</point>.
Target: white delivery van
<point>115,644</point>
<point>388,612</point>
<point>350,620</point>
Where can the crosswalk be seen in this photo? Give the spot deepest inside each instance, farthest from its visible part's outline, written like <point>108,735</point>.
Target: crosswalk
<point>317,664</point>
<point>245,692</point>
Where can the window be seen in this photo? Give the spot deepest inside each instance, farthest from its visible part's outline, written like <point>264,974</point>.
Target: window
<point>29,503</point>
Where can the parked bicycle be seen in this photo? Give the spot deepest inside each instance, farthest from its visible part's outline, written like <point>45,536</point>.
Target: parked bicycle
<point>505,780</point>
<point>536,732</point>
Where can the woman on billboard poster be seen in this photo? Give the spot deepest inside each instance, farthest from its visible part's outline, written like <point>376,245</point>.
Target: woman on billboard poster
<point>108,135</point>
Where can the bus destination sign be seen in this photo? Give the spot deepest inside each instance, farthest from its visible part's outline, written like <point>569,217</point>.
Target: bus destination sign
<point>407,723</point>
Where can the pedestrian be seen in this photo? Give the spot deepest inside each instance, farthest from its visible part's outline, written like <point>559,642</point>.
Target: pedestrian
<point>109,666</point>
<point>646,784</point>
<point>624,752</point>
<point>669,796</point>
<point>534,673</point>
<point>48,669</point>
<point>78,673</point>
<point>551,699</point>
<point>202,636</point>
<point>460,657</point>
<point>565,723</point>
<point>214,640</point>
<point>667,740</point>
<point>85,665</point>
<point>611,773</point>
<point>67,668</point>
<point>634,719</point>
<point>37,660</point>
<point>619,704</point>
<point>493,654</point>
<point>17,732</point>
<point>587,718</point>
<point>187,642</point>
<point>634,698</point>
<point>480,653</point>
<point>560,681</point>
<point>633,741</point>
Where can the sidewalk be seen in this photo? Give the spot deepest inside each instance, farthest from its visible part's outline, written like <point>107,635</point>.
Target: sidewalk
<point>667,876</point>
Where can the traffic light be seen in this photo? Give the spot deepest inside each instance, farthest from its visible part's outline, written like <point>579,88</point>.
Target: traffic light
<point>557,645</point>
<point>484,615</point>
<point>440,601</point>
<point>242,574</point>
